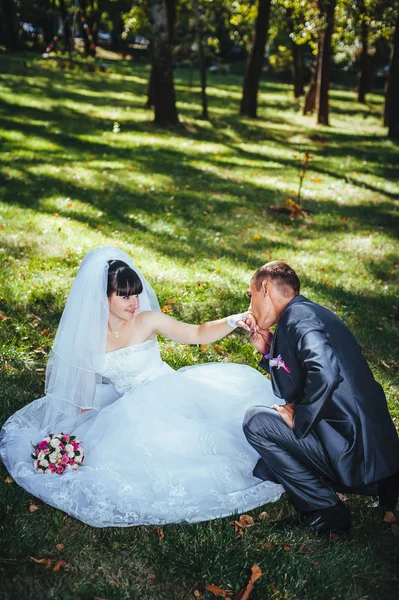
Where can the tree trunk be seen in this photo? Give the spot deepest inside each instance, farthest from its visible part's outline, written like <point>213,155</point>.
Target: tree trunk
<point>201,60</point>
<point>310,98</point>
<point>10,26</point>
<point>298,69</point>
<point>66,25</point>
<point>164,91</point>
<point>393,88</point>
<point>365,64</point>
<point>298,66</point>
<point>249,101</point>
<point>324,70</point>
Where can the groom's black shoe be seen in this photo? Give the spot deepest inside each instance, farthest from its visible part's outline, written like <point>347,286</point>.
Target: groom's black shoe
<point>326,520</point>
<point>388,492</point>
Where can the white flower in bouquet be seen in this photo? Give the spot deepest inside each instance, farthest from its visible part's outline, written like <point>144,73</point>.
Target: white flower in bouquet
<point>71,454</point>
<point>55,442</point>
<point>44,463</point>
<point>69,448</point>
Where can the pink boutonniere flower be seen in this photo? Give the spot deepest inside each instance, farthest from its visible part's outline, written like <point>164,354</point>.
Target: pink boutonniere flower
<point>279,363</point>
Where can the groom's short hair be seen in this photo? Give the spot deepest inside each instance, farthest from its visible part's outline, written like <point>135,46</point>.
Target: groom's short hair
<point>280,274</point>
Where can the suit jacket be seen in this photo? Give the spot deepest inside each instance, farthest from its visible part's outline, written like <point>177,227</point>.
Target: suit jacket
<point>335,392</point>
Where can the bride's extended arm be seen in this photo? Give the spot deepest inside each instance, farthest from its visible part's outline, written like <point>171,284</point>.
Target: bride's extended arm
<point>194,334</point>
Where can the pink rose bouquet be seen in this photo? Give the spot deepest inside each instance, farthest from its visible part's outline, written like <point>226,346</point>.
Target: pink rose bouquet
<point>58,452</point>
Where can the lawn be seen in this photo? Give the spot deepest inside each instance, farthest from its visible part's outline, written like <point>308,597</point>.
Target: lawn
<point>81,166</point>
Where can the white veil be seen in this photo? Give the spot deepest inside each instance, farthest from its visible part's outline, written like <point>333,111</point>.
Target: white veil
<point>75,362</point>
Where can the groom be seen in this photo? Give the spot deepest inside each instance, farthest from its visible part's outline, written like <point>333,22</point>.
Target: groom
<point>334,433</point>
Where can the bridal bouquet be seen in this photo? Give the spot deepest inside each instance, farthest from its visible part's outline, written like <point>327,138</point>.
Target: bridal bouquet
<point>57,452</point>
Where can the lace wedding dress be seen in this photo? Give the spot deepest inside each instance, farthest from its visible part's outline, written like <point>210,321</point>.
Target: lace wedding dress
<point>168,446</point>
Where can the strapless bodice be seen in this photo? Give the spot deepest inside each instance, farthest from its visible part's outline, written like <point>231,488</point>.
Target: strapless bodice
<point>134,365</point>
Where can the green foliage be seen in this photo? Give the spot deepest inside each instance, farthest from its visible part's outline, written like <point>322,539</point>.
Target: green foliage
<point>192,207</point>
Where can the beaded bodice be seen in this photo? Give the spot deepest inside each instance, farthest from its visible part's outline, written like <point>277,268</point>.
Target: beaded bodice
<point>131,366</point>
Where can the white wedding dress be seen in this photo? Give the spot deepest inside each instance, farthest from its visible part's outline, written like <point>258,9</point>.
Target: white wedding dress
<point>168,447</point>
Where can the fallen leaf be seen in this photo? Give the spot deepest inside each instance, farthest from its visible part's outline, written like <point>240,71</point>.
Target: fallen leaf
<point>69,204</point>
<point>59,565</point>
<point>8,480</point>
<point>287,547</point>
<point>267,546</point>
<point>237,527</point>
<point>3,318</point>
<point>256,237</point>
<point>315,563</point>
<point>245,594</point>
<point>218,348</point>
<point>160,532</point>
<point>170,301</point>
<point>60,547</point>
<point>246,521</point>
<point>41,561</point>
<point>203,347</point>
<point>303,550</point>
<point>217,591</point>
<point>263,516</point>
<point>45,331</point>
<point>165,309</point>
<point>197,594</point>
<point>33,507</point>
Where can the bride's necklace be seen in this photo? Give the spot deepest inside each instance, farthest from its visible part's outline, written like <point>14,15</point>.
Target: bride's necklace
<point>116,333</point>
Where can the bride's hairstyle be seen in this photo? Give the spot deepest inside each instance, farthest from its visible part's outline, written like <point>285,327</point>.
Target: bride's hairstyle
<point>122,280</point>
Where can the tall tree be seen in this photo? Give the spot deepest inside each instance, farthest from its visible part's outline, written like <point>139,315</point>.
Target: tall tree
<point>163,85</point>
<point>365,59</point>
<point>393,87</point>
<point>327,8</point>
<point>249,101</point>
<point>298,65</point>
<point>310,98</point>
<point>201,60</point>
<point>10,24</point>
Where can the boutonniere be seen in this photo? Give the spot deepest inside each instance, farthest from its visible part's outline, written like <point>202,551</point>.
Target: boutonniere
<point>279,363</point>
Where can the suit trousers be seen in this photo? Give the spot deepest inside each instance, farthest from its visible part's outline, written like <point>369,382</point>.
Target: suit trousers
<point>301,466</point>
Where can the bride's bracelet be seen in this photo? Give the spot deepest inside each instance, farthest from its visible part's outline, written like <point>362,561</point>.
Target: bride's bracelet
<point>233,320</point>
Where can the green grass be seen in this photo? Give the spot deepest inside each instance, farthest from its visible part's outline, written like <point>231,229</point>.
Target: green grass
<point>187,204</point>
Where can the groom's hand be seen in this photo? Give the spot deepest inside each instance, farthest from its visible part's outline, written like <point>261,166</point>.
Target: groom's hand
<point>287,413</point>
<point>261,339</point>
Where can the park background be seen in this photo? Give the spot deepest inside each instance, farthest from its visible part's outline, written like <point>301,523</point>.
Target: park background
<point>204,138</point>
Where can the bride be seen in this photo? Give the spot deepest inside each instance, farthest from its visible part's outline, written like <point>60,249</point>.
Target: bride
<point>161,446</point>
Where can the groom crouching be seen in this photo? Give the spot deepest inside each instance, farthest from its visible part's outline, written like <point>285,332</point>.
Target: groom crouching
<point>334,434</point>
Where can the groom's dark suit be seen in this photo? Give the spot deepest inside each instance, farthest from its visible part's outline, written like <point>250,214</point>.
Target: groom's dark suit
<point>343,433</point>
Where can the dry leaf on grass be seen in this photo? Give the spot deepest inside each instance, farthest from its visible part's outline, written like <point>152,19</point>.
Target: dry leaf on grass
<point>8,480</point>
<point>197,594</point>
<point>59,565</point>
<point>33,507</point>
<point>160,532</point>
<point>217,591</point>
<point>389,518</point>
<point>263,516</point>
<point>60,547</point>
<point>269,545</point>
<point>243,522</point>
<point>41,561</point>
<point>247,591</point>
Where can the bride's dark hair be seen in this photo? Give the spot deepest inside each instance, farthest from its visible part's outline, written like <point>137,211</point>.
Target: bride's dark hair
<point>122,280</point>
